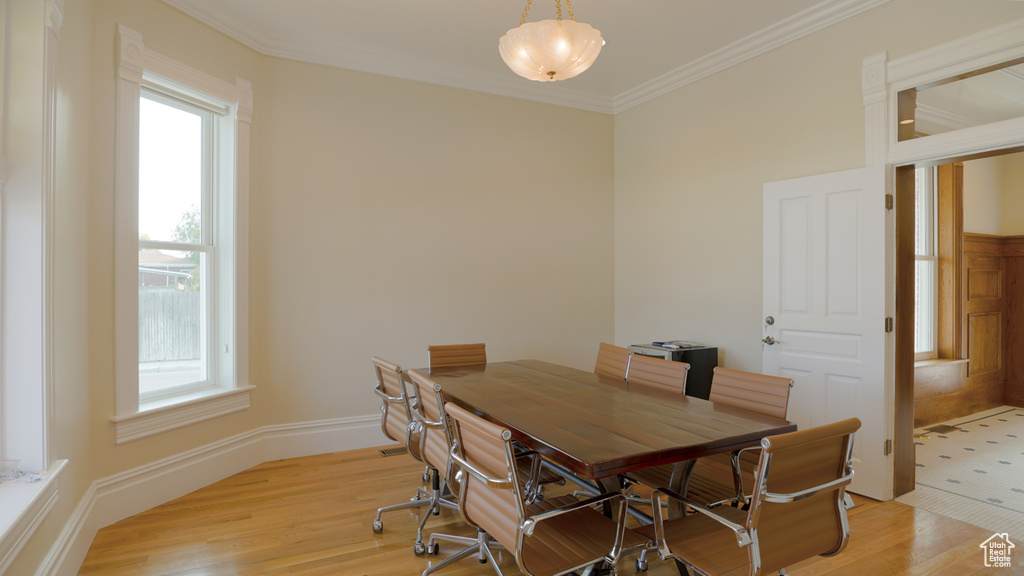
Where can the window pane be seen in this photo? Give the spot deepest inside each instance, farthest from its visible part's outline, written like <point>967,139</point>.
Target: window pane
<point>170,172</point>
<point>924,212</point>
<point>171,342</point>
<point>924,313</point>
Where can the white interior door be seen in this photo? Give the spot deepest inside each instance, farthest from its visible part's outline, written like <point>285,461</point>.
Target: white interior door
<point>824,289</point>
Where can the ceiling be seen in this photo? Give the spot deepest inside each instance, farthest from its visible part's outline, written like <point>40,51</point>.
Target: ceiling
<point>653,46</point>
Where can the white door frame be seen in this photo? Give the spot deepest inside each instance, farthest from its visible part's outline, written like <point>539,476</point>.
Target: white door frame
<point>881,80</point>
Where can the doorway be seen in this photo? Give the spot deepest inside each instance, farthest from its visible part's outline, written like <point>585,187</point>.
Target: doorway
<point>885,83</point>
<point>968,384</point>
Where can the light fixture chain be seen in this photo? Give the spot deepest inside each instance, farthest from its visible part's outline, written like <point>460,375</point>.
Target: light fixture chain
<point>558,6</point>
<point>527,9</point>
<point>568,4</point>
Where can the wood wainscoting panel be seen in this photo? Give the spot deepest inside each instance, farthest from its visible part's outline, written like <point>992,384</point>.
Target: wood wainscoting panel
<point>985,279</point>
<point>984,311</point>
<point>940,393</point>
<point>985,342</point>
<point>1013,352</point>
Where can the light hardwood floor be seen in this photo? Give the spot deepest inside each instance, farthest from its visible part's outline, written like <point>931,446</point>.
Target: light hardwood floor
<point>312,516</point>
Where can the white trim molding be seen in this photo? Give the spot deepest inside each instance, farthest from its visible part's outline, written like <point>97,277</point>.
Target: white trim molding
<point>805,23</point>
<point>817,17</point>
<point>232,107</point>
<point>122,495</point>
<point>981,51</point>
<point>881,82</point>
<point>30,35</point>
<point>24,507</point>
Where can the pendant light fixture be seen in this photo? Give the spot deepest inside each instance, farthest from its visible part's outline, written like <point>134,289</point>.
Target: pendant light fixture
<point>550,50</point>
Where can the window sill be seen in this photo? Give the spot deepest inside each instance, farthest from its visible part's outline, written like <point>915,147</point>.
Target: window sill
<point>22,509</point>
<point>157,417</point>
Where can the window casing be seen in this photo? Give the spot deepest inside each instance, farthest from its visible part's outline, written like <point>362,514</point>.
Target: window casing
<point>209,263</point>
<point>926,263</point>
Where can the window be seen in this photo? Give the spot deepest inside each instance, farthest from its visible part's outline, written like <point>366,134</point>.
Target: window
<point>926,265</point>
<point>182,199</point>
<point>175,247</point>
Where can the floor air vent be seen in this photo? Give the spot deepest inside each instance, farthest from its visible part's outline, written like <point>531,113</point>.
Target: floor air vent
<point>394,451</point>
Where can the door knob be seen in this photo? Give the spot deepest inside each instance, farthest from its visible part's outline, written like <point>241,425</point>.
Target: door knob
<point>769,320</point>
<point>768,340</point>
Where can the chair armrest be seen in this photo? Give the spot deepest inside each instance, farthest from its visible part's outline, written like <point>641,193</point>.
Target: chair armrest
<point>742,536</point>
<point>500,483</point>
<point>737,473</point>
<point>530,523</point>
<point>389,399</point>
<point>778,498</point>
<point>414,439</point>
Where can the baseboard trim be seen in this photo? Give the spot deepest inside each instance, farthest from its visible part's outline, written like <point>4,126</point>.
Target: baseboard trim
<point>122,495</point>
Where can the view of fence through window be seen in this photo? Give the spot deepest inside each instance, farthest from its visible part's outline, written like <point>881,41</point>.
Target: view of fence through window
<point>171,287</point>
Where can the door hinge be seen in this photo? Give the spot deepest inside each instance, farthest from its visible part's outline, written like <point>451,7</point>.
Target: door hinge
<point>888,324</point>
<point>887,449</point>
<point>888,201</point>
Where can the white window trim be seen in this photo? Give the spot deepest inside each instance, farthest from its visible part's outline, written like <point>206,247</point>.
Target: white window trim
<point>137,67</point>
<point>27,325</point>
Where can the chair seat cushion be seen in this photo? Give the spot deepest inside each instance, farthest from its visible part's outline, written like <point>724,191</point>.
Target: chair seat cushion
<point>706,544</point>
<point>571,540</point>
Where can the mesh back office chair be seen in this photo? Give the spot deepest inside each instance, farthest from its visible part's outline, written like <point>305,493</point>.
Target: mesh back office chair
<point>458,355</point>
<point>612,361</point>
<point>433,448</point>
<point>761,393</point>
<point>436,445</point>
<point>797,510</point>
<point>548,538</point>
<point>722,477</point>
<point>657,374</point>
<point>396,423</point>
<point>455,355</point>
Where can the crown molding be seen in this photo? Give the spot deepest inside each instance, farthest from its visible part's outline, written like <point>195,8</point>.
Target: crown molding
<point>975,52</point>
<point>813,19</point>
<point>809,21</point>
<point>928,117</point>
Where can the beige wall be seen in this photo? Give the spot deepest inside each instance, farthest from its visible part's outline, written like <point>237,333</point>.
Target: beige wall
<point>994,195</point>
<point>388,214</point>
<point>690,165</point>
<point>385,215</point>
<point>1012,221</point>
<point>983,196</point>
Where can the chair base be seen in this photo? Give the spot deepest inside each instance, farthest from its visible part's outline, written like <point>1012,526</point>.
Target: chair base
<point>434,500</point>
<point>481,545</point>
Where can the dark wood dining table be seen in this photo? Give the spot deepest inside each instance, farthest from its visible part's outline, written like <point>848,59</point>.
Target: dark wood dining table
<point>598,427</point>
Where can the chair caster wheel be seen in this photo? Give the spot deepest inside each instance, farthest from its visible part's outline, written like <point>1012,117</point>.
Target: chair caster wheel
<point>419,549</point>
<point>641,566</point>
<point>378,526</point>
<point>483,560</point>
<point>434,549</point>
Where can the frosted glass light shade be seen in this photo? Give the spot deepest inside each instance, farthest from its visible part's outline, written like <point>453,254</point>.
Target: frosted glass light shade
<point>550,50</point>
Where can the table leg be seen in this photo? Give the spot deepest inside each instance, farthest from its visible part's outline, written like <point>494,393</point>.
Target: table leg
<point>609,484</point>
